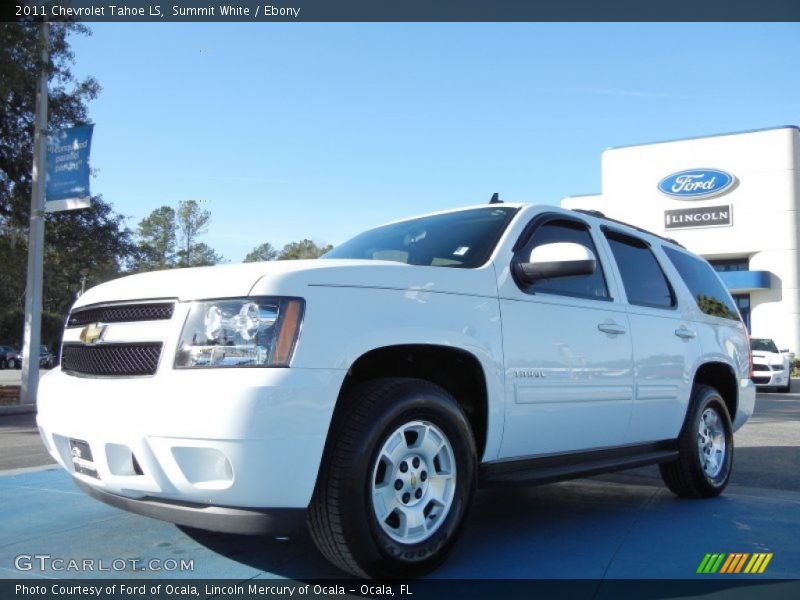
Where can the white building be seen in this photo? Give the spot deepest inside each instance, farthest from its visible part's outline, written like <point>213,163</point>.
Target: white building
<point>733,199</point>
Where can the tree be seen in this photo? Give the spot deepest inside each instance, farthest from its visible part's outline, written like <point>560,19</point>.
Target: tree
<point>157,235</point>
<point>193,222</point>
<point>92,243</point>
<point>263,252</point>
<point>159,232</point>
<point>20,63</point>
<point>303,249</point>
<point>202,255</point>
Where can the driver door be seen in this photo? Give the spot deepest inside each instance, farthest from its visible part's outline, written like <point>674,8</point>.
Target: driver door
<point>567,352</point>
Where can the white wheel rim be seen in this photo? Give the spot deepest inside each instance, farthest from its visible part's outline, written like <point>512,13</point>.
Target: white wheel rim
<point>413,482</point>
<point>711,444</point>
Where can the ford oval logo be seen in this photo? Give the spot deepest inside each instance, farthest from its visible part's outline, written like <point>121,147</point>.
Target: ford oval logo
<point>696,183</point>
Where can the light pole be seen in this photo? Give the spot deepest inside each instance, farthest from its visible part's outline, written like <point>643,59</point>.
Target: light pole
<point>33,285</point>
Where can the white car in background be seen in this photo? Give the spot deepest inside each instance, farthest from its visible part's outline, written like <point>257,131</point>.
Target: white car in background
<point>771,367</point>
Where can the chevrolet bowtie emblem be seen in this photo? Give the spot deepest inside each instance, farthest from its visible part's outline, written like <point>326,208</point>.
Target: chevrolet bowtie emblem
<point>92,333</point>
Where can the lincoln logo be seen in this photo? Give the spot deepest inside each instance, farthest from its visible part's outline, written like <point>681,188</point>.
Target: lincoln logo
<point>92,333</point>
<point>711,216</point>
<point>696,184</point>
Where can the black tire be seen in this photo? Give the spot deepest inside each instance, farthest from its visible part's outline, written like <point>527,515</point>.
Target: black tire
<point>12,364</point>
<point>786,389</point>
<point>686,476</point>
<point>341,518</point>
<point>3,363</point>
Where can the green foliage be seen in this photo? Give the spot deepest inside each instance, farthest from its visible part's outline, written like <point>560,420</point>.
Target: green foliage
<point>157,239</point>
<point>167,239</point>
<point>201,255</point>
<point>91,243</point>
<point>12,327</point>
<point>20,54</point>
<point>303,249</point>
<point>265,251</point>
<point>193,222</point>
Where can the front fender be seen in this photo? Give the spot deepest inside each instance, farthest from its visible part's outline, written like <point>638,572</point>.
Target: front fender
<point>343,323</point>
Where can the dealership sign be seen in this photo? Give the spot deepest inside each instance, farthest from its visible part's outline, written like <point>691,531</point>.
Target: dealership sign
<point>696,184</point>
<point>711,216</point>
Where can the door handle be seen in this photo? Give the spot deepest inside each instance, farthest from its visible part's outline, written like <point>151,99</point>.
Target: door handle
<point>685,334</point>
<point>611,328</point>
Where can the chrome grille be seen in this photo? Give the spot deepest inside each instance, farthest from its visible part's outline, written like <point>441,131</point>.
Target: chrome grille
<point>122,313</point>
<point>111,360</point>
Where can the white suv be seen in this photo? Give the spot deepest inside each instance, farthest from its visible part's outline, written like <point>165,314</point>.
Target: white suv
<point>369,392</point>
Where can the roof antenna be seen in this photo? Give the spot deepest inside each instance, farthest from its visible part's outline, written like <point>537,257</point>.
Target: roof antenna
<point>495,199</point>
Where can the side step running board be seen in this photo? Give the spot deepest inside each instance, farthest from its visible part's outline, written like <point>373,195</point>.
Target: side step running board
<point>548,469</point>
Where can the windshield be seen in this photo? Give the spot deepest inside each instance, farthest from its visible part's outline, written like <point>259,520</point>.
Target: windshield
<point>463,239</point>
<point>763,345</point>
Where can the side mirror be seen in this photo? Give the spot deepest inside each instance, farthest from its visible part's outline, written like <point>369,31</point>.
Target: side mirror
<point>559,259</point>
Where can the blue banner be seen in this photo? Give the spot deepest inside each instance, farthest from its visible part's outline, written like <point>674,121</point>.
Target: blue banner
<point>68,168</point>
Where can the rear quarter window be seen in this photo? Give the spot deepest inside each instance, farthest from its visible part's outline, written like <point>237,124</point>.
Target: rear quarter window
<point>711,296</point>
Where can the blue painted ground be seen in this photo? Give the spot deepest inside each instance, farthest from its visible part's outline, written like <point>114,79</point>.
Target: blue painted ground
<point>589,528</point>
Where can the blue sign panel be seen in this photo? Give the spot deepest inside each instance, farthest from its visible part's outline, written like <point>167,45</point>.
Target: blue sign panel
<point>68,168</point>
<point>696,184</point>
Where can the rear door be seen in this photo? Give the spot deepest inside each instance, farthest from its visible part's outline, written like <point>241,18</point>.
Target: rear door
<point>664,336</point>
<point>567,352</point>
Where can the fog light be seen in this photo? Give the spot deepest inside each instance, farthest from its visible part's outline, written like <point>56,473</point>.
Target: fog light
<point>206,468</point>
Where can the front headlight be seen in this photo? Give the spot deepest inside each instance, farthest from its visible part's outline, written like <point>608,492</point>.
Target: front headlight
<point>240,332</point>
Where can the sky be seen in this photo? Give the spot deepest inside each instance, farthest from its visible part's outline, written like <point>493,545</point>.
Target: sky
<point>288,131</point>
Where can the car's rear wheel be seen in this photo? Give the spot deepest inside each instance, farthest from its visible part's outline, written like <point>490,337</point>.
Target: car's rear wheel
<point>705,448</point>
<point>3,363</point>
<point>12,363</point>
<point>396,482</point>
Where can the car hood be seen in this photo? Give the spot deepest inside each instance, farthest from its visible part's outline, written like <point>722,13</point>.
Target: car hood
<point>289,277</point>
<point>766,358</point>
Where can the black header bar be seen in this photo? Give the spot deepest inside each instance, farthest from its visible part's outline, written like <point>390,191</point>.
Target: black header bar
<point>265,11</point>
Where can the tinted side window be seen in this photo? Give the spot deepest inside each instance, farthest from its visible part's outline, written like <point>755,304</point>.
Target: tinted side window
<point>584,286</point>
<point>710,295</point>
<point>644,281</point>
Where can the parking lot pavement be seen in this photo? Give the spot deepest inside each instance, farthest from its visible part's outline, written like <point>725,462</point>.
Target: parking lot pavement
<point>581,529</point>
<point>20,445</point>
<point>614,526</point>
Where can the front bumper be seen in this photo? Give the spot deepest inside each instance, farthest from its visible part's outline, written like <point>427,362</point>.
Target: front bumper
<point>213,440</point>
<point>770,378</point>
<point>252,521</point>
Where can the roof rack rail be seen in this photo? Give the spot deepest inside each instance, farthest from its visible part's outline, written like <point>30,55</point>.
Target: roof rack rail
<point>600,215</point>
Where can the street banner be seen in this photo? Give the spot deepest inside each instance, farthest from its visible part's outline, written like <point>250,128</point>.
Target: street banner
<point>68,169</point>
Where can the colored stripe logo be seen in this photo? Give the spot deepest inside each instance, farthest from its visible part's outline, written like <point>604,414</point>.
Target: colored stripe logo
<point>737,562</point>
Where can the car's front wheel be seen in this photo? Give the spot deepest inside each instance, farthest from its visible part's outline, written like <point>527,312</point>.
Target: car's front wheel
<point>12,363</point>
<point>396,482</point>
<point>705,447</point>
